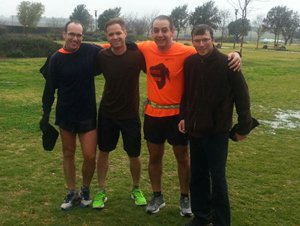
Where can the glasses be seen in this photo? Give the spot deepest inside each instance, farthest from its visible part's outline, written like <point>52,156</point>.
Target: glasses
<point>73,35</point>
<point>204,41</point>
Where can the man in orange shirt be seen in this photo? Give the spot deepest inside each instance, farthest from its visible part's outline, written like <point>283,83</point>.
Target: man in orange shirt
<point>164,63</point>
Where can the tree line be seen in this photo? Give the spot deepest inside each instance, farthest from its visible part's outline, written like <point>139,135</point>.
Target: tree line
<point>279,20</point>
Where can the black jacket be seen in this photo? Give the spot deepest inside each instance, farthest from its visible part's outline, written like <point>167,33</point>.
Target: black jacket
<point>211,90</point>
<point>72,75</point>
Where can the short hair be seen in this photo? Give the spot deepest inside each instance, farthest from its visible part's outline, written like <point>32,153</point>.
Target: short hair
<point>116,20</point>
<point>164,17</point>
<point>73,21</point>
<point>201,29</point>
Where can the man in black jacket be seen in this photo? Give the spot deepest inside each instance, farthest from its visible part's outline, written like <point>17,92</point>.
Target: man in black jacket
<point>71,72</point>
<point>211,90</point>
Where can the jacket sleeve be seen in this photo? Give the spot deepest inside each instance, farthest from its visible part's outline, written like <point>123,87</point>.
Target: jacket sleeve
<point>97,66</point>
<point>183,103</point>
<point>241,101</point>
<point>98,62</point>
<point>49,89</point>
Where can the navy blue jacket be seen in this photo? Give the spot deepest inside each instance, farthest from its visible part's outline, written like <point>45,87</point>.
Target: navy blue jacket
<point>72,75</point>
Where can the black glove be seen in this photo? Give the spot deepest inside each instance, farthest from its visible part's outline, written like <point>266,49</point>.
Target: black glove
<point>49,137</point>
<point>44,122</point>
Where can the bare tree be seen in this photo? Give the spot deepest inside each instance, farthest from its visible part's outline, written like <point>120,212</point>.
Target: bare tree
<point>140,26</point>
<point>148,19</point>
<point>258,28</point>
<point>130,20</point>
<point>243,6</point>
<point>135,24</point>
<point>224,15</point>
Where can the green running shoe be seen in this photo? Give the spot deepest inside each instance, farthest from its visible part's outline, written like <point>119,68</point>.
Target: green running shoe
<point>99,200</point>
<point>138,197</point>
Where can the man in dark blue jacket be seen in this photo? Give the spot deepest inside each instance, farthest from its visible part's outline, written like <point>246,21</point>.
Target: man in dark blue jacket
<point>71,72</point>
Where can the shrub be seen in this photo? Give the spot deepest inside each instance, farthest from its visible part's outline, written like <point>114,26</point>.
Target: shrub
<point>26,46</point>
<point>92,36</point>
<point>3,30</point>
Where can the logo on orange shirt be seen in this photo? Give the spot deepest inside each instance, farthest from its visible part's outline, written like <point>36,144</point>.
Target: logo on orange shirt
<point>160,73</point>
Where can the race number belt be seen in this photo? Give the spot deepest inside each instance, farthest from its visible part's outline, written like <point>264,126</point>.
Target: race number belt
<point>168,106</point>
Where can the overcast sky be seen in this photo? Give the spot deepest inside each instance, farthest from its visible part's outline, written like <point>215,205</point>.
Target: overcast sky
<point>64,8</point>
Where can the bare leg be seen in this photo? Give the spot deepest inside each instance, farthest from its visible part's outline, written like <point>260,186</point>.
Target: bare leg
<point>135,170</point>
<point>88,143</point>
<point>156,152</point>
<point>68,149</point>
<point>183,167</point>
<point>102,168</point>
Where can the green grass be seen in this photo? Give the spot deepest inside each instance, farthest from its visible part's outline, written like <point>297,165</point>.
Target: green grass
<point>263,172</point>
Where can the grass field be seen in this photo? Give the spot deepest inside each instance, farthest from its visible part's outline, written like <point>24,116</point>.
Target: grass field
<point>263,172</point>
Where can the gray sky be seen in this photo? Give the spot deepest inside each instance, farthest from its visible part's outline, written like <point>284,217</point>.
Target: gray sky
<point>64,8</point>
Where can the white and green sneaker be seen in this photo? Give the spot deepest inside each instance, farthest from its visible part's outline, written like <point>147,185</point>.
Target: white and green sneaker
<point>99,200</point>
<point>138,197</point>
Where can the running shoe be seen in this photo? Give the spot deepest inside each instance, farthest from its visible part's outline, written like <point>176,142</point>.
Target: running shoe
<point>138,197</point>
<point>99,200</point>
<point>156,203</point>
<point>71,199</point>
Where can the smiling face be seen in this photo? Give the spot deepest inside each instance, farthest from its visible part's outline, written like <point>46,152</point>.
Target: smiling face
<point>162,34</point>
<point>73,37</point>
<point>203,43</point>
<point>116,36</point>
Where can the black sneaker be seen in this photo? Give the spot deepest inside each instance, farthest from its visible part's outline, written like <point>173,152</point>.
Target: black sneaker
<point>85,197</point>
<point>72,199</point>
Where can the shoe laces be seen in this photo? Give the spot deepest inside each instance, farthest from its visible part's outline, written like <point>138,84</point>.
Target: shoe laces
<point>138,193</point>
<point>85,193</point>
<point>70,196</point>
<point>99,196</point>
<point>185,202</point>
<point>155,200</point>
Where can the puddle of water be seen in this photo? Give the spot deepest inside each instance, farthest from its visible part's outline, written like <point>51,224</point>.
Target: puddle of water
<point>284,119</point>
